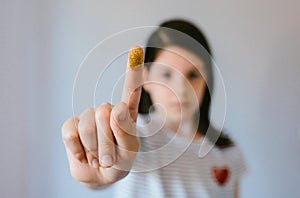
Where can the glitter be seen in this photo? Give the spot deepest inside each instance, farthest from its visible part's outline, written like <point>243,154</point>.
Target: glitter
<point>136,58</point>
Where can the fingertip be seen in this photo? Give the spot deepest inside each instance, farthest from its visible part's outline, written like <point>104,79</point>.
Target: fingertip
<point>135,47</point>
<point>136,58</point>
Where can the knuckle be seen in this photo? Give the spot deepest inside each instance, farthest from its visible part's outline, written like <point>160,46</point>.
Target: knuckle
<point>87,130</point>
<point>107,144</point>
<point>70,136</point>
<point>103,111</point>
<point>105,105</point>
<point>68,127</point>
<point>66,124</point>
<point>79,155</point>
<point>122,105</point>
<point>89,110</point>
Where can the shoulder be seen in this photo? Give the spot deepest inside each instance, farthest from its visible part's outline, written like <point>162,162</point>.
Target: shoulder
<point>234,152</point>
<point>235,157</point>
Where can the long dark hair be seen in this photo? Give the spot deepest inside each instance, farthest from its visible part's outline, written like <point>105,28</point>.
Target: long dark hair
<point>182,33</point>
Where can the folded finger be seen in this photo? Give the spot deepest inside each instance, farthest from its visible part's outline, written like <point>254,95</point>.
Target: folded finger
<point>88,135</point>
<point>106,142</point>
<point>71,139</point>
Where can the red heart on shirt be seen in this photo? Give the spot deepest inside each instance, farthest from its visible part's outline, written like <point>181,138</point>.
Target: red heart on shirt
<point>220,175</point>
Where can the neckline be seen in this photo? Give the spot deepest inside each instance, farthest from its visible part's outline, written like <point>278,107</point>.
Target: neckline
<point>171,135</point>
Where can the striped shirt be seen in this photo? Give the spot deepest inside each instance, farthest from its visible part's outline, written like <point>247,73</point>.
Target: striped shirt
<point>168,166</point>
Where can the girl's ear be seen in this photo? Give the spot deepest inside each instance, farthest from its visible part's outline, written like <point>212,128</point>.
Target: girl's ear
<point>146,86</point>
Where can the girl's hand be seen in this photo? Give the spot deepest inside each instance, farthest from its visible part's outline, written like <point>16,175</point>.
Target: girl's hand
<point>101,144</point>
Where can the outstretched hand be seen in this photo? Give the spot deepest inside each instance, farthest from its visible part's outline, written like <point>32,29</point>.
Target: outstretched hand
<point>101,143</point>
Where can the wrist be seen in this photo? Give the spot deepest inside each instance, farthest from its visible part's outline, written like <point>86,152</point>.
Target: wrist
<point>94,186</point>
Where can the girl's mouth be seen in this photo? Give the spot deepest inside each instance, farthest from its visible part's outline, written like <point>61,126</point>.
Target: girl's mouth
<point>180,105</point>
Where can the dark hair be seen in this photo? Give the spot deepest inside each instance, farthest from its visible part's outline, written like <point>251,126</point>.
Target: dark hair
<point>185,34</point>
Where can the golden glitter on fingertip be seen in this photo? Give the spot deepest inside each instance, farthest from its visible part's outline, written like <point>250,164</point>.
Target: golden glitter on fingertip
<point>136,58</point>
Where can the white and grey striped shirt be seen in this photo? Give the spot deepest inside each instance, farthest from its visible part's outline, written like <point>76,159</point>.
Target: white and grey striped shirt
<point>169,166</point>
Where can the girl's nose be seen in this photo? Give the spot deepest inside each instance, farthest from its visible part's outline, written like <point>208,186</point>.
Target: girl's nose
<point>181,86</point>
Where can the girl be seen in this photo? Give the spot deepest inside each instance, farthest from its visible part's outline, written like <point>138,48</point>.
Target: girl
<point>148,145</point>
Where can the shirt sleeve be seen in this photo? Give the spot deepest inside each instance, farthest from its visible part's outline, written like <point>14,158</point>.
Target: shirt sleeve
<point>240,165</point>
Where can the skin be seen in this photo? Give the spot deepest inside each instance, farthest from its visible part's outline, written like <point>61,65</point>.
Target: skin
<point>100,143</point>
<point>176,81</point>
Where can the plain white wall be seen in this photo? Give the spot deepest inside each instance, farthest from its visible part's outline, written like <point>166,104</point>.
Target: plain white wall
<point>21,87</point>
<point>256,46</point>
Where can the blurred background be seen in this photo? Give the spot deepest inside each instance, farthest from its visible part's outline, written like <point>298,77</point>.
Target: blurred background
<point>256,45</point>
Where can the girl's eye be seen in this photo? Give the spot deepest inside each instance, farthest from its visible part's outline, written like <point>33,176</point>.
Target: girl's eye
<point>193,75</point>
<point>166,75</point>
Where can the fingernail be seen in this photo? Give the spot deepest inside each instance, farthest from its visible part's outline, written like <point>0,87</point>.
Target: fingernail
<point>95,163</point>
<point>107,160</point>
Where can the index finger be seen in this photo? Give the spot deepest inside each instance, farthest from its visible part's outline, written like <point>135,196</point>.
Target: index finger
<point>133,80</point>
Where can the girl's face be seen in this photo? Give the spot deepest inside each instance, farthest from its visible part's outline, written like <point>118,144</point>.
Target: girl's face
<point>175,82</point>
